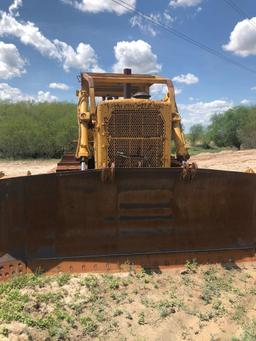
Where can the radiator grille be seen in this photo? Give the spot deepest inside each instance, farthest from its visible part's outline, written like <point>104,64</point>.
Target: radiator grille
<point>135,137</point>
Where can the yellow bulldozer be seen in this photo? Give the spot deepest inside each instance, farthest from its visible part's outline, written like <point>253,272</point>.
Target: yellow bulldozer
<point>125,129</point>
<point>121,200</point>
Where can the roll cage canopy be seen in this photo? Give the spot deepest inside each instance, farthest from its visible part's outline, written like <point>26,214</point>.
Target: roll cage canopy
<point>112,84</point>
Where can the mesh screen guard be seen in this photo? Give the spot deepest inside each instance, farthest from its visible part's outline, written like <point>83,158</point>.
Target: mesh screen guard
<point>135,135</point>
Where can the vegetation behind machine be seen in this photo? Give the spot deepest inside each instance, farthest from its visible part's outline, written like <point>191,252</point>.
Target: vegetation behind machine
<point>46,130</point>
<point>234,128</point>
<point>37,130</point>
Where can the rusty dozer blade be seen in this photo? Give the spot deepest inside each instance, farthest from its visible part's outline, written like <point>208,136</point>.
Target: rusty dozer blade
<point>100,221</point>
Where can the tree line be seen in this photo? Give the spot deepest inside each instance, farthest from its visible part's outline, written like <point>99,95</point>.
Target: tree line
<point>233,128</point>
<point>47,130</point>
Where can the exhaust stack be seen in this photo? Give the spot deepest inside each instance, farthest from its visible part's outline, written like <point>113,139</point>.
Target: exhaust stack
<point>127,87</point>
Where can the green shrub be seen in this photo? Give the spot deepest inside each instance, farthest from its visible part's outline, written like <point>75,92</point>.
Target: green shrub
<point>247,132</point>
<point>234,128</point>
<point>36,130</point>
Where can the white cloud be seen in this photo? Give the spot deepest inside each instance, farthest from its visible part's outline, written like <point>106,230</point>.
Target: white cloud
<point>28,34</point>
<point>136,55</point>
<point>242,40</point>
<point>148,27</point>
<point>8,93</point>
<point>177,91</point>
<point>253,88</point>
<point>245,102</point>
<point>59,86</point>
<point>13,9</point>
<point>11,62</point>
<point>158,91</point>
<point>201,112</point>
<point>45,97</point>
<point>83,57</point>
<point>11,94</point>
<point>185,3</point>
<point>144,25</point>
<point>96,6</point>
<point>188,79</point>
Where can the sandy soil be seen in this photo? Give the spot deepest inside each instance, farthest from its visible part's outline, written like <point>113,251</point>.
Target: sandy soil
<point>225,160</point>
<point>21,167</point>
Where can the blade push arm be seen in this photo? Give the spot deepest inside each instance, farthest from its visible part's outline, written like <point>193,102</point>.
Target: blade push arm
<point>179,139</point>
<point>177,131</point>
<point>83,118</point>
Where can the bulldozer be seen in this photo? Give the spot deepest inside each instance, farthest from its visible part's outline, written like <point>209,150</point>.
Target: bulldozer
<point>121,200</point>
<point>125,129</point>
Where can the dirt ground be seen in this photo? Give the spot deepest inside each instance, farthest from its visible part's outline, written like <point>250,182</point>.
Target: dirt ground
<point>225,160</point>
<point>197,303</point>
<point>21,167</point>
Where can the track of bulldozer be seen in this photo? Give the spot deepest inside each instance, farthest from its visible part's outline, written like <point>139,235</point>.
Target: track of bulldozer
<point>68,163</point>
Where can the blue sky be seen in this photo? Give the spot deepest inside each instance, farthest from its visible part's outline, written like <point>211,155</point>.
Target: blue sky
<point>45,44</point>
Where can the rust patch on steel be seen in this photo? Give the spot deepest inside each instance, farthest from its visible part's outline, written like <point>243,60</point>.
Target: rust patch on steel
<point>11,269</point>
<point>137,262</point>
